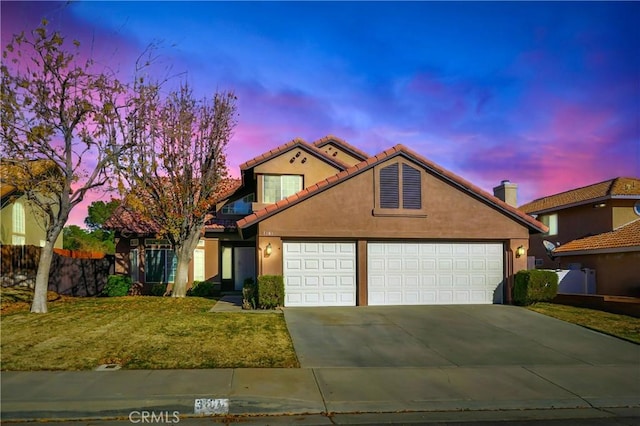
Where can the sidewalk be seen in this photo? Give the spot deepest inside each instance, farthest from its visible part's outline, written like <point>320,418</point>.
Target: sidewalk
<point>102,394</point>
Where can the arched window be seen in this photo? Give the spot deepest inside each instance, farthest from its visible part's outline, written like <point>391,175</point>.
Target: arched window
<point>18,218</point>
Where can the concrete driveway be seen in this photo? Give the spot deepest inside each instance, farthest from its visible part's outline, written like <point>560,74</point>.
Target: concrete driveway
<point>448,336</point>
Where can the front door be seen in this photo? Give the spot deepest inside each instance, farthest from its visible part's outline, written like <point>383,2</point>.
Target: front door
<point>244,265</point>
<point>238,263</point>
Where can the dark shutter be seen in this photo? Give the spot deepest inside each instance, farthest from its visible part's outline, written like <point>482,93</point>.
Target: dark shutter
<point>411,188</point>
<point>389,192</point>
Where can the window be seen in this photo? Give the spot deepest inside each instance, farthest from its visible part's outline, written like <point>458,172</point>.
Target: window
<point>133,262</point>
<point>550,220</point>
<point>241,206</point>
<point>276,188</point>
<point>399,190</point>
<point>18,218</point>
<point>18,237</point>
<point>160,265</point>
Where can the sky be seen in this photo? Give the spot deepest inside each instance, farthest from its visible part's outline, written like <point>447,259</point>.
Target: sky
<point>544,94</point>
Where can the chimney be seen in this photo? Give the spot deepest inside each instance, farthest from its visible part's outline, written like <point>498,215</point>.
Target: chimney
<point>507,192</point>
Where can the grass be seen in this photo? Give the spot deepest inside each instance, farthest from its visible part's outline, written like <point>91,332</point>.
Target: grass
<point>139,333</point>
<point>622,326</point>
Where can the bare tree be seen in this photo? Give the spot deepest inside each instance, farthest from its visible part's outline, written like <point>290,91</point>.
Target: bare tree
<point>177,167</point>
<point>57,111</point>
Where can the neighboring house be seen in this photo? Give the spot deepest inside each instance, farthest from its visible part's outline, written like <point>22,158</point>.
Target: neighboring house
<point>346,228</point>
<point>594,227</point>
<point>21,222</point>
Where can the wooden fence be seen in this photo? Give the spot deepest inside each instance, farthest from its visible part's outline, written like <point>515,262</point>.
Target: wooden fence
<point>72,273</point>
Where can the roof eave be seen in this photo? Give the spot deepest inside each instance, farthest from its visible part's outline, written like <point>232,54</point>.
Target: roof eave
<point>607,250</point>
<point>531,223</point>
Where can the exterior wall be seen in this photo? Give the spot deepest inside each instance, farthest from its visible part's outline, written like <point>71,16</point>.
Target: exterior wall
<point>344,212</point>
<point>313,169</point>
<point>623,212</point>
<point>617,274</point>
<point>35,226</point>
<point>581,221</point>
<point>337,152</point>
<point>124,247</point>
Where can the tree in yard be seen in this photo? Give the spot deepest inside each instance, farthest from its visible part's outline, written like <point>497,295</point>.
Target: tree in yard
<point>177,167</point>
<point>57,111</point>
<point>99,212</point>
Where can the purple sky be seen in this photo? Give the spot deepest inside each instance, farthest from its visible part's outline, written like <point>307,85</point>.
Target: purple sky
<point>544,94</point>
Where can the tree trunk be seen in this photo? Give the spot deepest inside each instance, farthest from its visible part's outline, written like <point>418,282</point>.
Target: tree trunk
<point>182,274</point>
<point>39,304</point>
<point>184,254</point>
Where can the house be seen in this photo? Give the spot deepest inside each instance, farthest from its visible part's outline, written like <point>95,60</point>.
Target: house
<point>595,227</point>
<point>345,228</point>
<point>21,221</point>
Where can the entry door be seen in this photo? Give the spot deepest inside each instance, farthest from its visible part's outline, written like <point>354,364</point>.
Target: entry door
<point>244,265</point>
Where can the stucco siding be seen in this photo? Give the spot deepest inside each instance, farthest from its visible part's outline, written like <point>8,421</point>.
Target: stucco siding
<point>345,211</point>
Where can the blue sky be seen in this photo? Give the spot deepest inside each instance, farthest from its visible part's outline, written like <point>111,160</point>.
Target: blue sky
<point>546,94</point>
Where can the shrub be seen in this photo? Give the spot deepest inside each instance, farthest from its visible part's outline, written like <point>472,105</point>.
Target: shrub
<point>158,289</point>
<point>117,285</point>
<point>536,285</point>
<point>249,294</point>
<point>270,291</point>
<point>202,289</point>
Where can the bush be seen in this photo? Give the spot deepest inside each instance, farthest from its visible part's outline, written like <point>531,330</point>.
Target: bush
<point>249,294</point>
<point>535,285</point>
<point>202,289</point>
<point>270,291</point>
<point>117,285</point>
<point>158,289</point>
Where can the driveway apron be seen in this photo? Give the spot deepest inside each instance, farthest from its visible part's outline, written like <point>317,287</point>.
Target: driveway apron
<point>447,336</point>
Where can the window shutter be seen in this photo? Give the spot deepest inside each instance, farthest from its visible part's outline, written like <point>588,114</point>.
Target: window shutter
<point>389,191</point>
<point>411,188</point>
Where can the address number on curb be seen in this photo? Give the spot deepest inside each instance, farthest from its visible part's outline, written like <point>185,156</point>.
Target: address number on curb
<point>211,406</point>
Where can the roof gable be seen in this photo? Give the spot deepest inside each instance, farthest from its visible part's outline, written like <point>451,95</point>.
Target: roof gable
<point>295,143</point>
<point>620,187</point>
<point>341,143</point>
<point>371,162</point>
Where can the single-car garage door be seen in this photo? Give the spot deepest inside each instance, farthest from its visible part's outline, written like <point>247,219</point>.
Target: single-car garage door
<point>319,273</point>
<point>434,273</point>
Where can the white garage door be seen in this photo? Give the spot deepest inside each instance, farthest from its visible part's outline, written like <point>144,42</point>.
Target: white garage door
<point>434,273</point>
<point>319,274</point>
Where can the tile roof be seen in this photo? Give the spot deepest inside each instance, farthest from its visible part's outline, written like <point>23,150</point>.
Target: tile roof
<point>625,236</point>
<point>295,143</point>
<point>272,209</point>
<point>343,144</point>
<point>126,219</point>
<point>218,224</point>
<point>612,188</point>
<point>12,171</point>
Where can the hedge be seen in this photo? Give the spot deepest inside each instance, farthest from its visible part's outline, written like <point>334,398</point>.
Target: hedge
<point>270,291</point>
<point>117,285</point>
<point>535,285</point>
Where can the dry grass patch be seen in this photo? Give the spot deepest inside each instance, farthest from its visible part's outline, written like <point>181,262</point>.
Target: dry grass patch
<point>143,333</point>
<point>617,325</point>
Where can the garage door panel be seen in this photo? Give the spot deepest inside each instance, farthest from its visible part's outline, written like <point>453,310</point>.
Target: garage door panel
<point>434,273</point>
<point>319,273</point>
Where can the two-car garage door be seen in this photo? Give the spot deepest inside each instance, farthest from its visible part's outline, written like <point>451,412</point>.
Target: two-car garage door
<point>398,273</point>
<point>434,273</point>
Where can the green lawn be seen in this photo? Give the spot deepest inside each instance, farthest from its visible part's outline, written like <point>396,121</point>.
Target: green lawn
<point>622,326</point>
<point>141,333</point>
